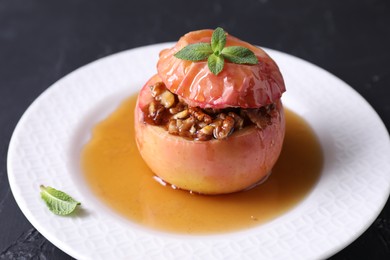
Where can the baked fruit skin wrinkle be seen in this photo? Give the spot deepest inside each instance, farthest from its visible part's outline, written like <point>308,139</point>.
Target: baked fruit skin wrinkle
<point>216,166</point>
<point>237,85</point>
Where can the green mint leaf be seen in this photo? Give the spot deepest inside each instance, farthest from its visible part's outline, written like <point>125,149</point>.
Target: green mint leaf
<point>195,52</point>
<point>218,40</point>
<point>57,201</point>
<point>215,63</point>
<point>239,55</point>
<point>216,52</point>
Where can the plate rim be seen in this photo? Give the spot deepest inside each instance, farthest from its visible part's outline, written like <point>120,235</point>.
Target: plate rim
<point>57,84</point>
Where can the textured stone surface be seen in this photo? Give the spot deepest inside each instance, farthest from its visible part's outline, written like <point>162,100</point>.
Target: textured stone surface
<point>41,41</point>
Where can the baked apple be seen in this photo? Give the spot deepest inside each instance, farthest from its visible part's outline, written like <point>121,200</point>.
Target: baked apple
<point>211,120</point>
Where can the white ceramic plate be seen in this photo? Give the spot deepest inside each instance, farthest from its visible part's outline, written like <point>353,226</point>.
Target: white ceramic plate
<point>353,187</point>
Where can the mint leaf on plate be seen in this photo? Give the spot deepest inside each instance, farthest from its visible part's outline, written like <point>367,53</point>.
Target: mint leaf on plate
<point>57,201</point>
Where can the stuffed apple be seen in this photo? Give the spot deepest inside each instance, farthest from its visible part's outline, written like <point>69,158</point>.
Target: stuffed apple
<point>211,120</point>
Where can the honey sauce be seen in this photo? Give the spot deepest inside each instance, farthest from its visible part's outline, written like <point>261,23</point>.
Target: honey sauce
<point>116,173</point>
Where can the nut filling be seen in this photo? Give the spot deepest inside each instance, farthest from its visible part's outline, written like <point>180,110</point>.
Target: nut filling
<point>171,112</point>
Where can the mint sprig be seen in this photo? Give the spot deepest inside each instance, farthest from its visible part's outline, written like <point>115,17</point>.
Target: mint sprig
<point>215,52</point>
<point>215,63</point>
<point>195,52</point>
<point>239,55</point>
<point>57,201</point>
<point>218,40</point>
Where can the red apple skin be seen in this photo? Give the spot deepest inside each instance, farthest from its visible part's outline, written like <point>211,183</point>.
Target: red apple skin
<point>237,85</point>
<point>209,167</point>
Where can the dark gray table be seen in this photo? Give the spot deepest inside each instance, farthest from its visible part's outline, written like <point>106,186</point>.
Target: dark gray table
<point>43,40</point>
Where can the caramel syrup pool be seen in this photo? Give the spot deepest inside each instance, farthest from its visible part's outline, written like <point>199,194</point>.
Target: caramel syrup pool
<point>116,172</point>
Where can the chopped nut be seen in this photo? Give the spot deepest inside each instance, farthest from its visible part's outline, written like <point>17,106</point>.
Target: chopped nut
<point>193,130</point>
<point>178,108</point>
<point>152,108</point>
<point>200,115</point>
<point>226,129</point>
<point>179,123</point>
<point>208,130</point>
<point>172,112</point>
<point>156,112</point>
<point>217,122</point>
<point>201,124</point>
<point>167,99</point>
<point>187,124</point>
<point>206,133</point>
<point>181,115</point>
<point>228,123</point>
<point>238,120</point>
<point>157,89</point>
<point>172,127</point>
